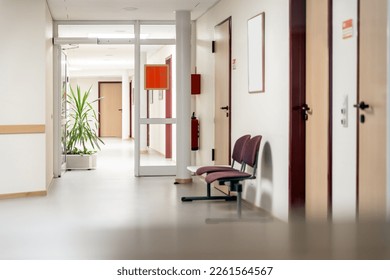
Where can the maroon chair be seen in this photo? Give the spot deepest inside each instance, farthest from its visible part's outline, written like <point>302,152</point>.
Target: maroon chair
<point>234,178</point>
<point>236,157</point>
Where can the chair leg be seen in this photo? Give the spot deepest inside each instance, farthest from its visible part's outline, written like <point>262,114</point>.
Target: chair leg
<point>239,204</point>
<point>209,196</point>
<point>235,186</point>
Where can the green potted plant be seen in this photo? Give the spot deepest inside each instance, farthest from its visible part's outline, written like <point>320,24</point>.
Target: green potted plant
<point>82,140</point>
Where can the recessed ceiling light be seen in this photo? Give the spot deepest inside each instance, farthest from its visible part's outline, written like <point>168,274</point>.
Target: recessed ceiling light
<point>130,9</point>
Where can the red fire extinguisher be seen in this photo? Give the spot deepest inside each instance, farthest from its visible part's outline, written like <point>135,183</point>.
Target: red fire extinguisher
<point>194,133</point>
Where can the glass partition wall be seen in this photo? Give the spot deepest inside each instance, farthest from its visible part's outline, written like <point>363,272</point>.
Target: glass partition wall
<point>156,150</point>
<point>133,44</point>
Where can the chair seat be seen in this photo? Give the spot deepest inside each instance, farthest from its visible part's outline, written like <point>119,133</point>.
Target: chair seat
<point>213,168</point>
<point>227,176</point>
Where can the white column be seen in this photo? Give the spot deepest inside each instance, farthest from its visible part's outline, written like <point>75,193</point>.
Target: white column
<point>183,95</point>
<point>143,103</point>
<point>125,105</point>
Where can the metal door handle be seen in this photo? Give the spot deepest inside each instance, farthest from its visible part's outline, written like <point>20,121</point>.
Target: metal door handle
<point>361,105</point>
<point>305,109</point>
<point>225,108</point>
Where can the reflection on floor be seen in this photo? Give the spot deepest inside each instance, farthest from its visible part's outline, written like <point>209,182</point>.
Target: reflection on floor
<point>109,214</point>
<point>151,157</point>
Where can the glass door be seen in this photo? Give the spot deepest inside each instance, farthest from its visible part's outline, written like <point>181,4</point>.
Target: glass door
<point>154,109</point>
<point>156,138</point>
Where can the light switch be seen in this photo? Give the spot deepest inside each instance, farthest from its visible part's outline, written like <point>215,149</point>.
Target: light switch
<point>344,112</point>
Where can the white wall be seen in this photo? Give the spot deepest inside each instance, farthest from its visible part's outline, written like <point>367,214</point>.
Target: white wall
<point>344,138</point>
<point>25,86</point>
<point>265,113</point>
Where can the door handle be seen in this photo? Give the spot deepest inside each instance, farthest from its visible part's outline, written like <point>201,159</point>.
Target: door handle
<point>225,108</point>
<point>305,109</point>
<point>120,110</point>
<point>361,105</point>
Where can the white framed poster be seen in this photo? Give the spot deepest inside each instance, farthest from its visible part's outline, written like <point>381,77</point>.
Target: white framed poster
<point>256,52</point>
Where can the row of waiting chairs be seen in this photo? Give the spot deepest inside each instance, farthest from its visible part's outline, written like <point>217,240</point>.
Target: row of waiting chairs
<point>245,152</point>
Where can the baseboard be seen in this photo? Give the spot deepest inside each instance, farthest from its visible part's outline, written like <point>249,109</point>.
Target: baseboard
<point>22,194</point>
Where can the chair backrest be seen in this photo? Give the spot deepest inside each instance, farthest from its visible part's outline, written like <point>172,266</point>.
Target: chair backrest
<point>239,148</point>
<point>251,151</point>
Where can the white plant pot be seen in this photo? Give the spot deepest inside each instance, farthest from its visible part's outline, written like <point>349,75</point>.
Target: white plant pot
<point>81,161</point>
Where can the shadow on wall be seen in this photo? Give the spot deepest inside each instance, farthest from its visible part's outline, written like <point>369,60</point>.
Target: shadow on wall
<point>267,178</point>
<point>263,194</point>
<point>250,191</point>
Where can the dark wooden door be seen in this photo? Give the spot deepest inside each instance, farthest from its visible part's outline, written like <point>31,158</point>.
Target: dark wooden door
<point>297,164</point>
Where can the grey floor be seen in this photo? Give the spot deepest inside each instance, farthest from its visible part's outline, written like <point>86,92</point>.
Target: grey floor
<point>110,214</point>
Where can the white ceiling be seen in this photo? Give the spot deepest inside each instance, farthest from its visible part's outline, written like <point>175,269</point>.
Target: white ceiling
<point>126,9</point>
<point>110,60</point>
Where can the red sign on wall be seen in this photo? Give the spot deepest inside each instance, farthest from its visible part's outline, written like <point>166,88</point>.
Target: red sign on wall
<point>347,29</point>
<point>156,76</point>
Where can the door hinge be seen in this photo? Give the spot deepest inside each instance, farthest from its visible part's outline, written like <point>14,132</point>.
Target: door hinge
<point>213,46</point>
<point>212,154</point>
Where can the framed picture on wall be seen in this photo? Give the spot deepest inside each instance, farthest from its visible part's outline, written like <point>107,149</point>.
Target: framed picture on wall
<point>256,53</point>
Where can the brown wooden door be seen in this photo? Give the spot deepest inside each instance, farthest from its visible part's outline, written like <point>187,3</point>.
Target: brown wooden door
<point>222,93</point>
<point>372,91</point>
<point>317,99</point>
<point>110,109</point>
